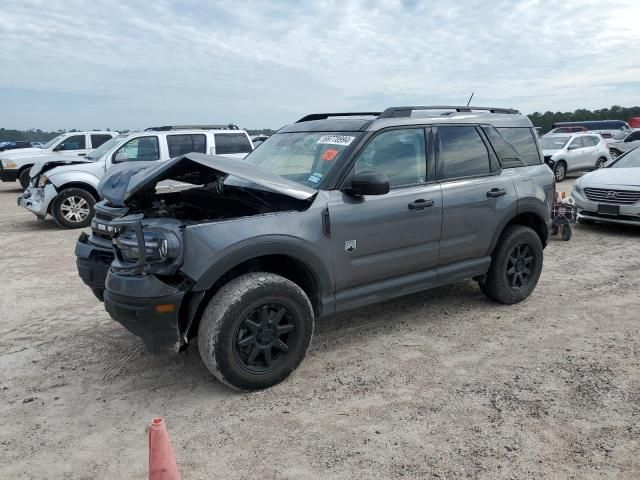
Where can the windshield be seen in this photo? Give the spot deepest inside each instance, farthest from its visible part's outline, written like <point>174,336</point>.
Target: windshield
<point>630,160</point>
<point>51,142</point>
<point>554,143</point>
<point>620,135</point>
<point>104,148</point>
<point>303,157</point>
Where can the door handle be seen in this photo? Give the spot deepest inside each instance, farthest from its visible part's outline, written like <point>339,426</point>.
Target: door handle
<point>496,192</point>
<point>82,154</point>
<point>421,204</point>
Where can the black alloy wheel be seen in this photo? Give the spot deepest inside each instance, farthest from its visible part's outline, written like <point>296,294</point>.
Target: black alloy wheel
<point>264,337</point>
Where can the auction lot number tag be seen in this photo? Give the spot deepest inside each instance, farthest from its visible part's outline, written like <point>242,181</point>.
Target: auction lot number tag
<point>336,139</point>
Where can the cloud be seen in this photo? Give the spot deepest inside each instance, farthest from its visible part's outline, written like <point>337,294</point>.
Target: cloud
<point>126,65</point>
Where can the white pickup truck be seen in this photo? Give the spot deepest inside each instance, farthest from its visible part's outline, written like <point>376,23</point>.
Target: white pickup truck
<point>67,189</point>
<point>15,164</point>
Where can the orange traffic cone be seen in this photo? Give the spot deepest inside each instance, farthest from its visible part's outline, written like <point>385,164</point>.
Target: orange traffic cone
<point>162,463</point>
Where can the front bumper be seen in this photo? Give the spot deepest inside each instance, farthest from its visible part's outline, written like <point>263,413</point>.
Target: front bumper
<point>588,210</point>
<point>93,263</point>
<point>8,175</point>
<point>38,200</point>
<point>147,307</point>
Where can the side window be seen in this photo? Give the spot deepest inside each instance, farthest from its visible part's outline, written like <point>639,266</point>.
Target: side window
<point>589,141</point>
<point>523,140</point>
<point>576,143</point>
<point>140,149</point>
<point>509,157</point>
<point>399,154</point>
<point>461,153</point>
<point>227,143</point>
<point>182,144</point>
<point>76,142</point>
<point>97,140</point>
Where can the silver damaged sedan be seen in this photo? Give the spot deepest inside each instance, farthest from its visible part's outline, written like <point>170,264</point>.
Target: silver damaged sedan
<point>611,194</point>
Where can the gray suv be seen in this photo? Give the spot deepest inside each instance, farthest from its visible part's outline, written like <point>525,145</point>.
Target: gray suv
<point>333,212</point>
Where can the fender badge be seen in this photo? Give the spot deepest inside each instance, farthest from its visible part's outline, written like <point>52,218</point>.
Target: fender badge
<point>350,246</point>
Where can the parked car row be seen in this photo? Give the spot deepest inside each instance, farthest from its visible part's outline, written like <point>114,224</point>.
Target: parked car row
<point>198,237</point>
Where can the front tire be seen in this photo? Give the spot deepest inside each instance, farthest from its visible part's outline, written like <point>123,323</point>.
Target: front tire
<point>515,267</point>
<point>560,171</point>
<point>600,162</point>
<point>255,331</point>
<point>73,208</point>
<point>24,177</point>
<point>614,153</point>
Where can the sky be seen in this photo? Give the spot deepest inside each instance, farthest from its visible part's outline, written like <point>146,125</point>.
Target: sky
<point>130,65</point>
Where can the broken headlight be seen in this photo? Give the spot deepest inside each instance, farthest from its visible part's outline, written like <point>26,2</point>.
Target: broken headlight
<point>42,181</point>
<point>158,246</point>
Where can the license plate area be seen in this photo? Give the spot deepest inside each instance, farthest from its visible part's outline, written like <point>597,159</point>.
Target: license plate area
<point>608,209</point>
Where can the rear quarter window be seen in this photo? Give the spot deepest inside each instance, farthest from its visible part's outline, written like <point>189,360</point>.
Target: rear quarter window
<point>523,141</point>
<point>227,143</point>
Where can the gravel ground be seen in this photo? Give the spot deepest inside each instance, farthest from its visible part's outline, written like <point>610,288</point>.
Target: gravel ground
<point>442,384</point>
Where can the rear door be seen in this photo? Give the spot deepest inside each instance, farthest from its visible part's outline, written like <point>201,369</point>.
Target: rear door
<point>379,237</point>
<point>476,193</point>
<point>575,156</point>
<point>98,139</point>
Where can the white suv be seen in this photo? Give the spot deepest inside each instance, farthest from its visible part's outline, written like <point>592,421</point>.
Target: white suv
<point>570,152</point>
<point>15,164</point>
<point>67,188</point>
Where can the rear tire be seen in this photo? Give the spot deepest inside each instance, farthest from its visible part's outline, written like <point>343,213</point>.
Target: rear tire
<point>560,170</point>
<point>73,208</point>
<point>515,267</point>
<point>600,162</point>
<point>255,331</point>
<point>24,177</point>
<point>566,232</point>
<point>614,153</point>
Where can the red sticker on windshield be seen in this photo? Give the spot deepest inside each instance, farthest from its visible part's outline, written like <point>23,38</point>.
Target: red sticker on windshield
<point>329,154</point>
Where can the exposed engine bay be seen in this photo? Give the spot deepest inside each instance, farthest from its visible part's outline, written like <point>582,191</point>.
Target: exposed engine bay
<point>213,202</point>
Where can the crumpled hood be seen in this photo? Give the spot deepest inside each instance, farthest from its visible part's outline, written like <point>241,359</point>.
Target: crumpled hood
<point>130,179</point>
<point>612,176</point>
<point>51,161</point>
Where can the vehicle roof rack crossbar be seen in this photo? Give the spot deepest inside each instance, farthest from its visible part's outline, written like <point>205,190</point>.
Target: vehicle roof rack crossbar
<point>228,126</point>
<point>396,112</point>
<point>324,116</point>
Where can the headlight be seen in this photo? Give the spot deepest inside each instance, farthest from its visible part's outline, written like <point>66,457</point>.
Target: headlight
<point>9,164</point>
<point>42,181</point>
<point>158,246</point>
<point>577,187</point>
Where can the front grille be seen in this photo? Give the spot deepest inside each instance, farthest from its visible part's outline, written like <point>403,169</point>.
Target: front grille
<point>617,197</point>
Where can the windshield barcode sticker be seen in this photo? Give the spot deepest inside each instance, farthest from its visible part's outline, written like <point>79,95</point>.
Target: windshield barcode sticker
<point>336,139</point>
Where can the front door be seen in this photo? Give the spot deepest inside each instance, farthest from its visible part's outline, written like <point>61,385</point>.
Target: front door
<point>476,194</point>
<point>73,146</point>
<point>379,237</point>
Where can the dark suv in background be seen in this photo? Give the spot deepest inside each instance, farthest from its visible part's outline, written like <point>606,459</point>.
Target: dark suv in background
<point>333,212</point>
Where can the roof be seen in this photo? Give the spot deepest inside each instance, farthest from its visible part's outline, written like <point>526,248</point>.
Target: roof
<point>420,115</point>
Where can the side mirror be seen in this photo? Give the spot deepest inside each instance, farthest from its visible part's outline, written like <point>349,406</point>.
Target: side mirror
<point>368,183</point>
<point>59,147</point>
<point>120,157</point>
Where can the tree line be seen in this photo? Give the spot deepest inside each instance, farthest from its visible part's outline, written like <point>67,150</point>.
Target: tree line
<point>542,120</point>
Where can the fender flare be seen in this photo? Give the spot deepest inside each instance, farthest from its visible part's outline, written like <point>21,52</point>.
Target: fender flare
<point>534,207</point>
<point>273,245</point>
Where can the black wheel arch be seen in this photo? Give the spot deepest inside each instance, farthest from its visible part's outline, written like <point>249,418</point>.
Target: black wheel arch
<point>289,260</point>
<point>532,215</point>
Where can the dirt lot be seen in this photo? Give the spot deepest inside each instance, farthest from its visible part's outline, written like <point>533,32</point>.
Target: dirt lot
<point>443,384</point>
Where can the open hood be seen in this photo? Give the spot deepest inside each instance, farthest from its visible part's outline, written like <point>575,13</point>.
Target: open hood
<point>45,164</point>
<point>125,181</point>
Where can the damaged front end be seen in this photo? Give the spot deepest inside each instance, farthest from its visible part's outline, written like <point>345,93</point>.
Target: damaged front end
<point>137,246</point>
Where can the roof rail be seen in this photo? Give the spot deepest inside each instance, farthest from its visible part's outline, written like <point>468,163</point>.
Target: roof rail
<point>395,112</point>
<point>228,126</point>
<point>323,116</point>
